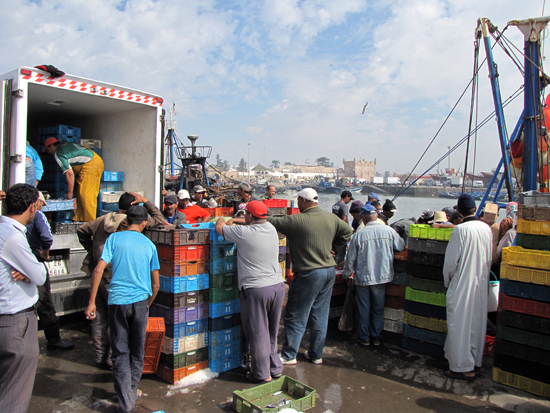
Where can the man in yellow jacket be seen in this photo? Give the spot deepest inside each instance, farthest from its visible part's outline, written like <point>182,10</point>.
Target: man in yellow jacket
<point>83,165</point>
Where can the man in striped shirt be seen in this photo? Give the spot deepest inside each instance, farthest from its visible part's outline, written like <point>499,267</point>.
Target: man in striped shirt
<point>82,165</point>
<point>312,235</point>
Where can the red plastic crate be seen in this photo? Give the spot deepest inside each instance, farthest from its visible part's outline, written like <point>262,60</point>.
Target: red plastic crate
<point>220,212</point>
<point>276,203</point>
<point>154,337</point>
<point>169,269</point>
<point>396,303</point>
<point>292,211</point>
<point>395,290</point>
<point>289,277</point>
<point>489,345</point>
<point>173,376</point>
<point>519,305</point>
<point>185,253</point>
<point>401,255</point>
<point>340,279</point>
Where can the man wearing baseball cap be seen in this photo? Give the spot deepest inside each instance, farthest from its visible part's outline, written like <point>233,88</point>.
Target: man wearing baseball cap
<point>192,212</point>
<point>370,257</point>
<point>311,236</point>
<point>80,165</point>
<point>388,211</point>
<point>133,289</point>
<point>171,213</point>
<point>466,275</point>
<point>261,287</point>
<point>341,210</point>
<point>200,198</point>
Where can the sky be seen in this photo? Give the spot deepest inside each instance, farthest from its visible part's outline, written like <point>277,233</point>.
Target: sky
<point>288,77</point>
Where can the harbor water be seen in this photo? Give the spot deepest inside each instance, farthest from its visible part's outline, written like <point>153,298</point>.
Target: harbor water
<point>407,207</point>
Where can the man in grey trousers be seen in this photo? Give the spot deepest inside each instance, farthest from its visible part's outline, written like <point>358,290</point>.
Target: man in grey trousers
<point>261,287</point>
<point>20,274</point>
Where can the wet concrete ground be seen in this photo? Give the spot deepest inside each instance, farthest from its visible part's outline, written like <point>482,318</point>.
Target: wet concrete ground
<point>351,379</point>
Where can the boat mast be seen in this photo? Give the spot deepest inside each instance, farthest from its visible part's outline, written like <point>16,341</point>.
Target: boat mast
<point>531,29</point>
<point>484,28</point>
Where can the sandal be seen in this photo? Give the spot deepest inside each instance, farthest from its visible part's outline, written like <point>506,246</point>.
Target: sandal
<point>459,376</point>
<point>250,377</point>
<point>139,394</point>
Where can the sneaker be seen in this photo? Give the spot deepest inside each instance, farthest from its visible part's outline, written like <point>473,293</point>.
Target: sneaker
<point>60,345</point>
<point>375,341</point>
<point>314,361</point>
<point>363,343</point>
<point>287,362</point>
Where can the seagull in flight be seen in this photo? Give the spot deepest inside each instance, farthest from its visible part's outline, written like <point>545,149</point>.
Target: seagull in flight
<point>365,108</point>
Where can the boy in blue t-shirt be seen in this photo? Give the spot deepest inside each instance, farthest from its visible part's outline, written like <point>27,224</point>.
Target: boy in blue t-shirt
<point>133,288</point>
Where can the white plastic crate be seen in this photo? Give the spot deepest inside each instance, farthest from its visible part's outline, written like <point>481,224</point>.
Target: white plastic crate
<point>394,314</point>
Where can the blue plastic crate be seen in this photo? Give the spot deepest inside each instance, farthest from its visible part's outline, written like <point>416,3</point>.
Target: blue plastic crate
<point>222,265</point>
<point>216,238</point>
<point>62,216</point>
<point>224,308</point>
<point>69,131</point>
<point>112,176</point>
<point>224,323</point>
<point>429,349</point>
<point>179,315</point>
<point>525,290</point>
<point>221,251</point>
<point>184,284</point>
<point>110,186</point>
<point>426,310</point>
<point>224,351</point>
<point>216,338</point>
<point>59,205</point>
<point>187,329</point>
<point>107,206</point>
<point>423,335</point>
<point>228,363</point>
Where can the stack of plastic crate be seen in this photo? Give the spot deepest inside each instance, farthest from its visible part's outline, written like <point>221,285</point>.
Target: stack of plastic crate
<point>110,190</point>
<point>425,318</point>
<point>522,350</point>
<point>224,322</point>
<point>394,302</point>
<point>62,133</point>
<point>182,300</point>
<point>60,212</point>
<point>277,207</point>
<point>94,145</point>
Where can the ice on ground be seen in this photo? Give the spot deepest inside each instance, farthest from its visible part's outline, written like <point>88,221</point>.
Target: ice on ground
<point>200,377</point>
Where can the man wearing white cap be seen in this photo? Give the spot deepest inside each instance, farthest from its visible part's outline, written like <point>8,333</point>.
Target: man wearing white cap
<point>312,235</point>
<point>192,212</point>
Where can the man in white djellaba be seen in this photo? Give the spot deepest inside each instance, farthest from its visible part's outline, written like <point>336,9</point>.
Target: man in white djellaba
<point>466,275</point>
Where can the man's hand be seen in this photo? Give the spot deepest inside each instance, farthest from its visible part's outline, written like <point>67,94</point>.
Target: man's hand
<point>90,311</point>
<point>140,199</point>
<point>44,254</point>
<point>17,276</point>
<point>2,195</point>
<point>340,266</point>
<point>164,191</point>
<point>70,195</point>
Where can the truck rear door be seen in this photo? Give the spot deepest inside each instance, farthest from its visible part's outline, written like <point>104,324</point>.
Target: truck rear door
<point>5,116</point>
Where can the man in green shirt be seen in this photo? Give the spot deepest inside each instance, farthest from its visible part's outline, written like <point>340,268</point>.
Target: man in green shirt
<point>311,236</point>
<point>82,165</point>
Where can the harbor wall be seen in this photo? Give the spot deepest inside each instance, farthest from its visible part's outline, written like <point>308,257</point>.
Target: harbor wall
<point>413,191</point>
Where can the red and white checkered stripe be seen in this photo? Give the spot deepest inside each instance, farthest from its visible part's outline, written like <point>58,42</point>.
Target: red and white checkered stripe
<point>64,83</point>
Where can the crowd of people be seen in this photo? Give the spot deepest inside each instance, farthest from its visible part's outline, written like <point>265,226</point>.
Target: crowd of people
<point>124,267</point>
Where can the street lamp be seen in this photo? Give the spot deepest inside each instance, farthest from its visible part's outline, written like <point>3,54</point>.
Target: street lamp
<point>248,163</point>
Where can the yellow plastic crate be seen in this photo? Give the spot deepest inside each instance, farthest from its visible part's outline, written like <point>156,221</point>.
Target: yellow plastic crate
<point>521,257</point>
<point>526,275</point>
<point>533,227</point>
<point>520,382</point>
<point>426,232</point>
<point>415,230</point>
<point>282,242</point>
<point>426,323</point>
<point>283,266</point>
<point>426,297</point>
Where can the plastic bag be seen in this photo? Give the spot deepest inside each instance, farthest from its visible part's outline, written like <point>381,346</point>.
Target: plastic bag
<point>347,319</point>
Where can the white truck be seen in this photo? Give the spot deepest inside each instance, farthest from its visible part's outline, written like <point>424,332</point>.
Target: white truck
<point>392,180</point>
<point>456,181</point>
<point>377,180</point>
<point>129,124</point>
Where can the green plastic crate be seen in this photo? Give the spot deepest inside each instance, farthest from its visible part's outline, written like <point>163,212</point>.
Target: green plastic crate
<point>414,230</point>
<point>226,279</point>
<point>426,297</point>
<point>424,284</point>
<point>256,399</point>
<point>218,295</point>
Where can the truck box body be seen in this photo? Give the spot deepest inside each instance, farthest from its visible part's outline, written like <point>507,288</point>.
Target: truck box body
<point>456,181</point>
<point>377,180</point>
<point>391,180</point>
<point>126,121</point>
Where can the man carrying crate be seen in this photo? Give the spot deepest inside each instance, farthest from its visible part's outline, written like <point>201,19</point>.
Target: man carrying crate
<point>84,164</point>
<point>133,289</point>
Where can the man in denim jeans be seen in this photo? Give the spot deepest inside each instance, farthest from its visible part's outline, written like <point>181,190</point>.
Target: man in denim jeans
<point>312,234</point>
<point>132,290</point>
<point>370,256</point>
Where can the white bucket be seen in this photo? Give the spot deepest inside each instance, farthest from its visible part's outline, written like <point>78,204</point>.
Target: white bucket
<point>492,302</point>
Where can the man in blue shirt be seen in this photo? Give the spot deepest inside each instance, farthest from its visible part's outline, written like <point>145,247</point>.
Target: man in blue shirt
<point>20,274</point>
<point>370,256</point>
<point>132,290</point>
<point>33,167</point>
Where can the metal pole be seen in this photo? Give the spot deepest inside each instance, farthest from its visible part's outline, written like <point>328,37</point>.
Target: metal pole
<point>248,163</point>
<point>493,75</point>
